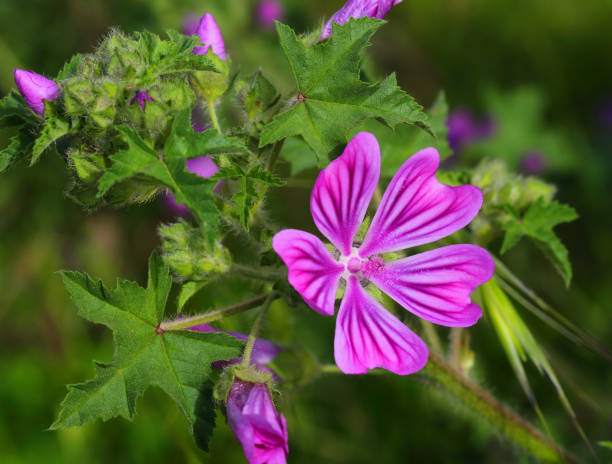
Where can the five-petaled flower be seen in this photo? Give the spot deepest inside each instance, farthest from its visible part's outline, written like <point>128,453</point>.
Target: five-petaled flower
<point>35,89</point>
<point>251,414</point>
<point>358,9</point>
<point>141,98</point>
<point>415,209</point>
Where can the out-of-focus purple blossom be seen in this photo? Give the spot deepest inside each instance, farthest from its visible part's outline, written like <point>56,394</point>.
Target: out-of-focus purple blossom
<point>203,166</point>
<point>464,128</point>
<point>35,89</point>
<point>269,11</point>
<point>210,36</point>
<point>263,352</point>
<point>190,24</point>
<point>259,428</point>
<point>604,113</point>
<point>358,9</point>
<point>141,98</point>
<point>533,162</point>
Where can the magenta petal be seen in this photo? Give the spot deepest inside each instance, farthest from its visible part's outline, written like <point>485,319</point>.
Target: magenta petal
<point>436,285</point>
<point>210,36</point>
<point>358,9</point>
<point>369,336</point>
<point>343,191</point>
<point>417,209</point>
<point>312,269</point>
<point>35,89</point>
<point>203,166</point>
<point>262,432</point>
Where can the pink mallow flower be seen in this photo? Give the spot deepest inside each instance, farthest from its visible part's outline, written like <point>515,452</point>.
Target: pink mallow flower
<point>141,98</point>
<point>251,414</point>
<point>269,11</point>
<point>358,9</point>
<point>211,37</point>
<point>202,166</point>
<point>415,209</point>
<point>35,89</point>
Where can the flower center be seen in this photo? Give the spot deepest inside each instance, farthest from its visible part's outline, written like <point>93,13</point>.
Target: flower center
<point>353,265</point>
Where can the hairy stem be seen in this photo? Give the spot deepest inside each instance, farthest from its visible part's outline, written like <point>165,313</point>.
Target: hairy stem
<point>454,354</point>
<point>258,273</point>
<point>248,349</point>
<point>213,115</point>
<point>486,406</point>
<point>212,316</point>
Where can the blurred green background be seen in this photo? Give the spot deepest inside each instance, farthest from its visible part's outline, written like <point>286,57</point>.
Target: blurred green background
<point>542,70</point>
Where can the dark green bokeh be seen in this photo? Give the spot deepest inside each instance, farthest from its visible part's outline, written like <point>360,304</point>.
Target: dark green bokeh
<point>479,51</point>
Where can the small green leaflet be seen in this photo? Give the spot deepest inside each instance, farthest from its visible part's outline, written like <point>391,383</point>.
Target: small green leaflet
<point>537,223</point>
<point>178,361</point>
<point>189,189</point>
<point>19,146</point>
<point>332,99</point>
<point>14,111</point>
<point>605,444</point>
<point>53,129</point>
<point>250,193</point>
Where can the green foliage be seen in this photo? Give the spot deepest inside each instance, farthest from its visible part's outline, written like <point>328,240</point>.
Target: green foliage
<point>537,223</point>
<point>14,111</point>
<point>187,252</point>
<point>177,361</point>
<point>332,99</point>
<point>253,183</point>
<point>54,129</point>
<point>258,95</point>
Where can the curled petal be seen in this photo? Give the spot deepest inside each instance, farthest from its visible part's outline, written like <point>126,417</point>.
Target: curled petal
<point>211,37</point>
<point>417,209</point>
<point>343,191</point>
<point>312,269</point>
<point>436,285</point>
<point>368,336</point>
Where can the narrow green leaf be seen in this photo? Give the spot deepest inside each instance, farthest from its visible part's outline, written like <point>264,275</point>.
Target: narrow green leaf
<point>605,444</point>
<point>537,224</point>
<point>332,99</point>
<point>188,290</point>
<point>177,361</point>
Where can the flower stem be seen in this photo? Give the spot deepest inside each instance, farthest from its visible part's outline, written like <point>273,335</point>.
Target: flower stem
<point>258,273</point>
<point>486,407</point>
<point>248,349</point>
<point>213,115</point>
<point>455,347</point>
<point>212,316</point>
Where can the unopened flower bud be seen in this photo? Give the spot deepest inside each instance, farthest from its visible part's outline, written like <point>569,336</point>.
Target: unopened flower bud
<point>211,37</point>
<point>358,9</point>
<point>35,89</point>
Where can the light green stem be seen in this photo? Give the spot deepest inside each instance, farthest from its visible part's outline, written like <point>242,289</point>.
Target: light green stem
<point>212,316</point>
<point>213,115</point>
<point>248,349</point>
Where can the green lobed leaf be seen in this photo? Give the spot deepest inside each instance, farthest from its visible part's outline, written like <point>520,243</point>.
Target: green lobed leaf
<point>537,224</point>
<point>14,111</point>
<point>177,361</point>
<point>249,195</point>
<point>54,129</point>
<point>332,99</point>
<point>19,146</point>
<point>184,142</point>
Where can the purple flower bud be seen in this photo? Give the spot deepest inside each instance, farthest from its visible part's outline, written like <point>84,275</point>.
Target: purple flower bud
<point>269,11</point>
<point>533,162</point>
<point>211,37</point>
<point>358,9</point>
<point>259,428</point>
<point>464,128</point>
<point>203,166</point>
<point>190,24</point>
<point>141,98</point>
<point>35,89</point>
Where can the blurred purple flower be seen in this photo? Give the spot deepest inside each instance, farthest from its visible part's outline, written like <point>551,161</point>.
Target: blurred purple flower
<point>264,351</point>
<point>203,166</point>
<point>269,11</point>
<point>464,128</point>
<point>259,428</point>
<point>604,113</point>
<point>211,37</point>
<point>358,9</point>
<point>533,162</point>
<point>141,98</point>
<point>35,89</point>
<point>190,24</point>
